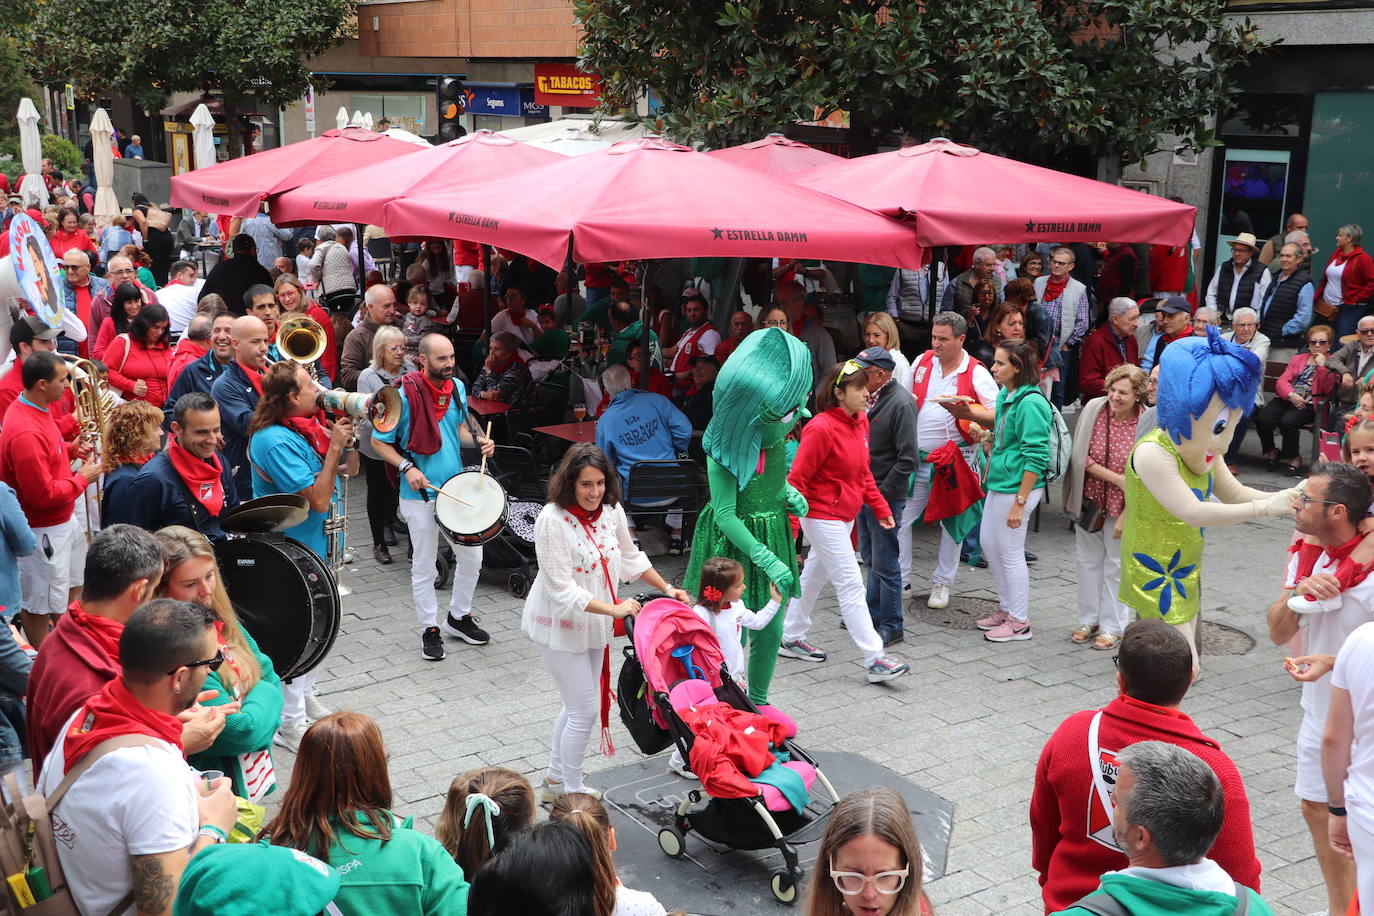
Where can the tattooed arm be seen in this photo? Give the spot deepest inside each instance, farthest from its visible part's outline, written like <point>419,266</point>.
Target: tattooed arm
<point>157,875</point>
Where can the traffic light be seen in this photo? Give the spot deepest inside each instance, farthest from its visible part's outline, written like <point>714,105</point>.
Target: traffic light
<point>449,100</point>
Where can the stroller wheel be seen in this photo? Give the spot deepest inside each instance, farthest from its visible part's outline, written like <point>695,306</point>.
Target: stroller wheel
<point>518,584</point>
<point>784,887</point>
<point>672,842</point>
<point>444,571</point>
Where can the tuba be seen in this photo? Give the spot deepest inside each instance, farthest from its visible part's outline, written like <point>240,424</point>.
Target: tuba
<point>300,338</point>
<point>94,401</point>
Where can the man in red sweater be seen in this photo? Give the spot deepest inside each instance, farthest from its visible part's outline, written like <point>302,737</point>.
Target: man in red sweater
<point>37,463</point>
<point>81,655</point>
<point>1071,805</point>
<point>1108,347</point>
<point>29,335</point>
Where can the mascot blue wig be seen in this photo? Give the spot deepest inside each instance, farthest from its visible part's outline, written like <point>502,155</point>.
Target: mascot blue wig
<point>1196,369</point>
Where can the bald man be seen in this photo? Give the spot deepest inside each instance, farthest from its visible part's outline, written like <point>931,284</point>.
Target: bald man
<point>119,270</point>
<point>237,391</point>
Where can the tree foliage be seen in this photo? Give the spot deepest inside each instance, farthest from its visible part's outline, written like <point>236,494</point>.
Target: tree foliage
<point>150,49</point>
<point>1017,77</point>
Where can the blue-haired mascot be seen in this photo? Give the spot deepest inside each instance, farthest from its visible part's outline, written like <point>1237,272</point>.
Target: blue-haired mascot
<point>1206,384</point>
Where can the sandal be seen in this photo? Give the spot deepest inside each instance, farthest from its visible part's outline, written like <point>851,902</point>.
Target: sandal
<point>1106,641</point>
<point>1083,634</point>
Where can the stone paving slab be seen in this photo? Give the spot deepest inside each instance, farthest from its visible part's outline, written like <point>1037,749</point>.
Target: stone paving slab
<point>967,724</point>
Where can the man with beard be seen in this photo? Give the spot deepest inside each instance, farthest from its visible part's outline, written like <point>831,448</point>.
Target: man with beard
<point>700,339</point>
<point>131,823</point>
<point>190,483</point>
<point>425,449</point>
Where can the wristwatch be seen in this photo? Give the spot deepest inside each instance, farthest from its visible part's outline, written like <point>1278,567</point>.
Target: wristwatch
<point>1020,500</point>
<point>213,832</point>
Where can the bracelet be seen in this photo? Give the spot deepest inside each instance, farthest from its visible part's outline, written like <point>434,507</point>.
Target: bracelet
<point>1336,810</point>
<point>213,832</point>
<point>405,466</point>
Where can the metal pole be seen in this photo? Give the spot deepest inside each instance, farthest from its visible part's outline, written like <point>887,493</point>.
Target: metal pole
<point>644,353</point>
<point>570,269</point>
<point>486,290</point>
<point>362,263</point>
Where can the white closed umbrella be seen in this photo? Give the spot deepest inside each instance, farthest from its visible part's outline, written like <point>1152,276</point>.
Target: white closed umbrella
<point>102,156</point>
<point>357,119</point>
<point>341,119</point>
<point>31,189</point>
<point>203,136</point>
<point>367,120</point>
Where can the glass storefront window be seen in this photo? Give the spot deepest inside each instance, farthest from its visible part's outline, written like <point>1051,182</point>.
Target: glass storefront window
<point>402,110</point>
<point>1253,191</point>
<point>1340,179</point>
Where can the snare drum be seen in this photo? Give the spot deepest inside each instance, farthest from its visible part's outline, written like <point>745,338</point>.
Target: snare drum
<point>479,517</point>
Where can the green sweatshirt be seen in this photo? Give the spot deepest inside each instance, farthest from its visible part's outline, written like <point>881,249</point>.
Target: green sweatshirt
<point>250,729</point>
<point>1021,426</point>
<point>1143,897</point>
<point>411,873</point>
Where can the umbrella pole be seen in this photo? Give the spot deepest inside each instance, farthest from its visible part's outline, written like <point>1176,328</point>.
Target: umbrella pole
<point>362,262</point>
<point>570,269</point>
<point>644,353</point>
<point>486,290</point>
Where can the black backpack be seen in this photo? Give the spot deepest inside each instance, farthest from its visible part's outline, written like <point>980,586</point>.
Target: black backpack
<point>632,696</point>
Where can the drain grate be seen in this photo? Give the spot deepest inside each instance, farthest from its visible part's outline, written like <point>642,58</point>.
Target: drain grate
<point>1219,639</point>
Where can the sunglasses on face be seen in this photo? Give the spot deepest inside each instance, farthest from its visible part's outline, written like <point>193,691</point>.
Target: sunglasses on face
<point>211,663</point>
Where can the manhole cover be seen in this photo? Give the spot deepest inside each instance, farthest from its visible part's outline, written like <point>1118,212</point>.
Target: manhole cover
<point>962,613</point>
<point>1219,639</point>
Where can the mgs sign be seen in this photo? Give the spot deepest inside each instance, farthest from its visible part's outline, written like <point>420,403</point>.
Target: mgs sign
<point>565,85</point>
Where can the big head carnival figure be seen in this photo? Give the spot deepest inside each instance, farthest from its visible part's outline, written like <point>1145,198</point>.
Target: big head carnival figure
<point>759,397</point>
<point>1205,386</point>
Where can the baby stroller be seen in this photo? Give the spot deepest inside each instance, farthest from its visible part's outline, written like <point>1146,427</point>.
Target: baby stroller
<point>756,781</point>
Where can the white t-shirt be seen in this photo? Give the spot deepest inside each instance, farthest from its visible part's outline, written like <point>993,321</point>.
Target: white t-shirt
<point>502,321</point>
<point>303,267</point>
<point>934,425</point>
<point>726,625</point>
<point>135,801</point>
<point>1355,673</point>
<point>1327,632</point>
<point>180,302</point>
<point>1334,273</point>
<point>636,903</point>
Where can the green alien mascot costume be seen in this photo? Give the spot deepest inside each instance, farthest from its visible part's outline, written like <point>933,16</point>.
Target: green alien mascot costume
<point>759,397</point>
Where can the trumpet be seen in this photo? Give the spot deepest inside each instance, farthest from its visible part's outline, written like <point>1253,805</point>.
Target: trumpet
<point>301,338</point>
<point>94,401</point>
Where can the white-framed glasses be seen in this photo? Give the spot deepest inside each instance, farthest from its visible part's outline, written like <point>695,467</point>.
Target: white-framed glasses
<point>851,883</point>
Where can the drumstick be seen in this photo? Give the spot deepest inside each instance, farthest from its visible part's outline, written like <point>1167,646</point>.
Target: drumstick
<point>457,499</point>
<point>484,457</point>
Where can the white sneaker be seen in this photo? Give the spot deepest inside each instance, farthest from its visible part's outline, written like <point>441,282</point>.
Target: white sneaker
<point>314,709</point>
<point>939,597</point>
<point>1304,604</point>
<point>290,734</point>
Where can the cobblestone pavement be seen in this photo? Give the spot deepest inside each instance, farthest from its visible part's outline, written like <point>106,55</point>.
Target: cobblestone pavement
<point>967,724</point>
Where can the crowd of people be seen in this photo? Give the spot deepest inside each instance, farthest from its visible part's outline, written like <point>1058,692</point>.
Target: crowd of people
<point>938,402</point>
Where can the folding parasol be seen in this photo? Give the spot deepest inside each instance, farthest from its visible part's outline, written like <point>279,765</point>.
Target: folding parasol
<point>776,155</point>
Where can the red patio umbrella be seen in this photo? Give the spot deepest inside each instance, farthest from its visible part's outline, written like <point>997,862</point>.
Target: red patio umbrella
<point>358,195</point>
<point>775,155</point>
<point>236,187</point>
<point>649,198</point>
<point>958,195</point>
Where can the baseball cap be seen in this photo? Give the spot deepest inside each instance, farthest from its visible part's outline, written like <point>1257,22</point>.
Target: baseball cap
<point>1174,304</point>
<point>28,329</point>
<point>876,358</point>
<point>16,199</point>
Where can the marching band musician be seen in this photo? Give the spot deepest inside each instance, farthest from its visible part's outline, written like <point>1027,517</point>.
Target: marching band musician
<point>29,335</point>
<point>291,452</point>
<point>190,483</point>
<point>36,461</point>
<point>425,446</point>
<point>237,391</point>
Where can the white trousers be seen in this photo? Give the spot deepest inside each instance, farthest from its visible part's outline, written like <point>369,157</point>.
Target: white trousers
<point>578,677</point>
<point>1005,549</point>
<point>293,696</point>
<point>831,559</point>
<point>1359,824</point>
<point>948,563</point>
<point>424,545</point>
<point>1099,571</point>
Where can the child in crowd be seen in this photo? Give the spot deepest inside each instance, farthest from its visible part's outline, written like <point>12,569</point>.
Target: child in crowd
<point>718,603</point>
<point>588,815</point>
<point>418,321</point>
<point>485,809</point>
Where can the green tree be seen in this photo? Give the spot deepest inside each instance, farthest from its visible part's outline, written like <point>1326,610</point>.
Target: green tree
<point>1025,78</point>
<point>152,48</point>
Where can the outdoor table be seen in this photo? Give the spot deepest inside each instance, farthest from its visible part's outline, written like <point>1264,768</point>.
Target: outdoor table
<point>485,408</point>
<point>580,431</point>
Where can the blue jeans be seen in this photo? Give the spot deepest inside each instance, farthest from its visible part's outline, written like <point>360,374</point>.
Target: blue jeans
<point>1348,319</point>
<point>878,546</point>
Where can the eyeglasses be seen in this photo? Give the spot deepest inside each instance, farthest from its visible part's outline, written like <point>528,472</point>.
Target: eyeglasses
<point>1304,499</point>
<point>1319,342</point>
<point>1366,330</point>
<point>1058,263</point>
<point>851,883</point>
<point>211,663</point>
<point>776,323</point>
<point>75,267</point>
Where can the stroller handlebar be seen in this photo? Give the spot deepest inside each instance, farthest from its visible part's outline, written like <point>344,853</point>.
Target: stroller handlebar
<point>643,598</point>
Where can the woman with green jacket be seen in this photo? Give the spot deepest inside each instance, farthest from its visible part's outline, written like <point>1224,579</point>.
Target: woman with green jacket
<point>246,679</point>
<point>1021,428</point>
<point>337,809</point>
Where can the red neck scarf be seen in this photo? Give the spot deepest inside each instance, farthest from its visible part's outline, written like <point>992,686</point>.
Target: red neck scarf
<point>1339,257</point>
<point>441,396</point>
<point>1054,288</point>
<point>103,630</point>
<point>254,375</point>
<point>582,515</point>
<point>111,713</point>
<point>314,433</point>
<point>202,478</point>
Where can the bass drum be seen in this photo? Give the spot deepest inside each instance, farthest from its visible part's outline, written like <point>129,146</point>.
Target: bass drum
<point>285,597</point>
<point>479,516</point>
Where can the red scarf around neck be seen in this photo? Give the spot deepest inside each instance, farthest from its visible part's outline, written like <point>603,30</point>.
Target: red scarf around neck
<point>441,396</point>
<point>254,375</point>
<point>1054,288</point>
<point>111,713</point>
<point>583,516</point>
<point>202,478</point>
<point>312,431</point>
<point>103,630</point>
<point>1339,257</point>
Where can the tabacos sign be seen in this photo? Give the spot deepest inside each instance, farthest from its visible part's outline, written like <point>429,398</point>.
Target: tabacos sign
<point>564,84</point>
